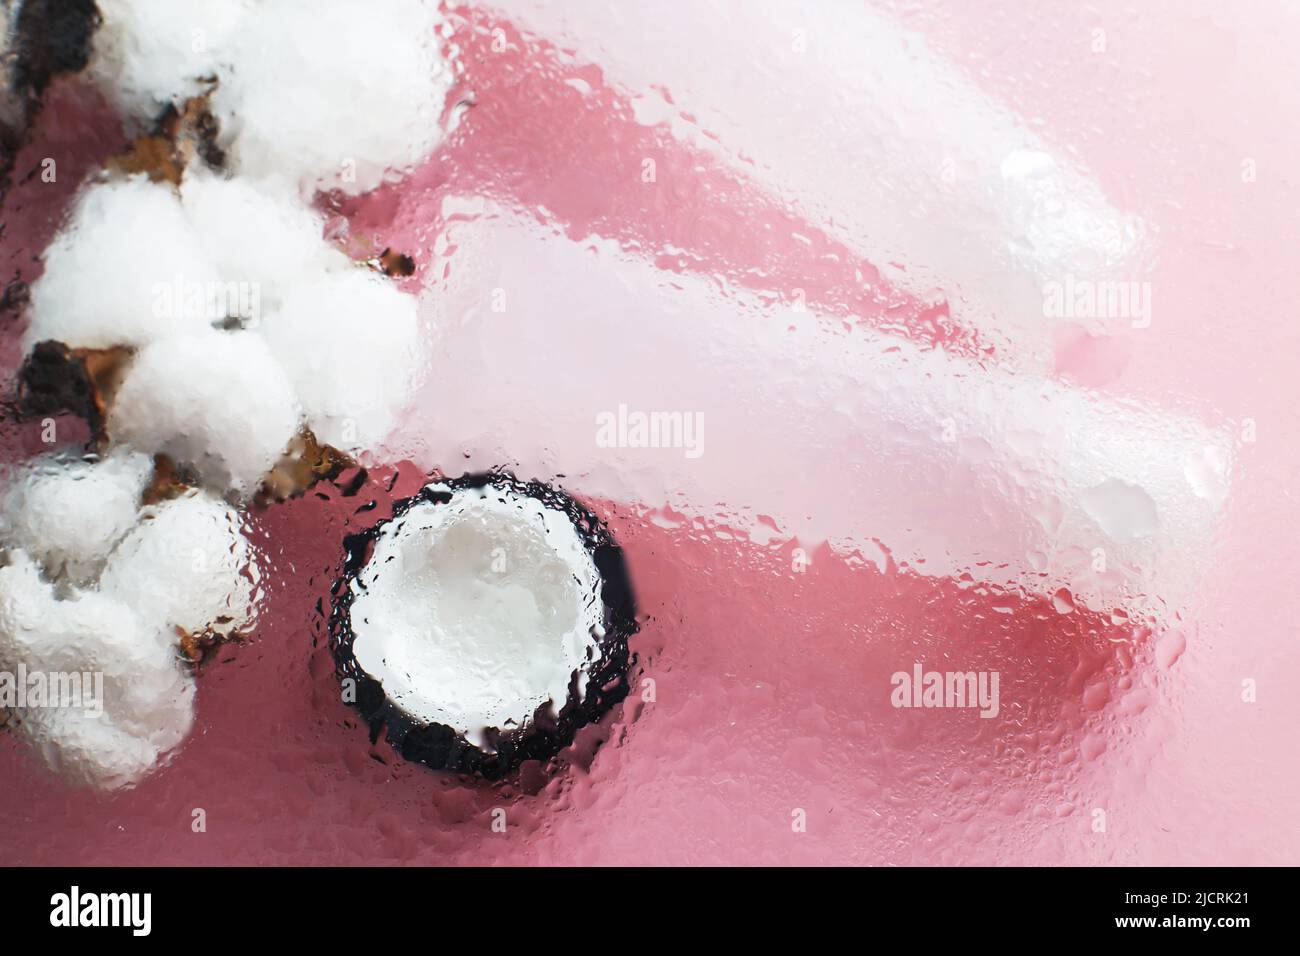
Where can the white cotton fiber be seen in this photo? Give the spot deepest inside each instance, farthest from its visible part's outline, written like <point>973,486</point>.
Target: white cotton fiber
<point>146,702</point>
<point>216,400</point>
<point>100,753</point>
<point>307,95</point>
<point>349,342</point>
<point>186,565</point>
<point>334,94</point>
<point>43,631</point>
<point>151,53</point>
<point>329,94</point>
<point>68,513</point>
<point>259,235</point>
<point>111,272</point>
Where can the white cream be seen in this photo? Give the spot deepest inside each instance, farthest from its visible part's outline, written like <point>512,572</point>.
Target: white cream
<point>475,612</point>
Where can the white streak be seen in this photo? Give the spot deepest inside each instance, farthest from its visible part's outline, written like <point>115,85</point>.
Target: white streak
<point>874,137</point>
<point>842,435</point>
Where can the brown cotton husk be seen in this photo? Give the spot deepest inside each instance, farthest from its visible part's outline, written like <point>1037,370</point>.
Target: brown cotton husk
<point>397,264</point>
<point>167,482</point>
<point>55,379</point>
<point>152,155</point>
<point>306,462</point>
<point>177,137</point>
<point>198,647</point>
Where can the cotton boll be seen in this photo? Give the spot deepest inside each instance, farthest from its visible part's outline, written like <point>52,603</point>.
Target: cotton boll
<point>68,514</point>
<point>350,344</point>
<point>145,698</point>
<point>98,752</point>
<point>259,236</point>
<point>144,716</point>
<point>24,598</point>
<point>86,631</point>
<point>151,53</point>
<point>111,274</point>
<point>335,94</point>
<point>187,566</point>
<point>86,751</point>
<point>217,401</point>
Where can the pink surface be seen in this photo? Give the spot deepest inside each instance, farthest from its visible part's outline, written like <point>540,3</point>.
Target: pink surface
<point>770,686</point>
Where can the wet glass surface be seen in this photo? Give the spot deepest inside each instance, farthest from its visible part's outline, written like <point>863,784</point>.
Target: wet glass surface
<point>829,240</point>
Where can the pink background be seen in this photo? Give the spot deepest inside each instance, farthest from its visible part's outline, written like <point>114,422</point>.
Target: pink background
<point>771,688</point>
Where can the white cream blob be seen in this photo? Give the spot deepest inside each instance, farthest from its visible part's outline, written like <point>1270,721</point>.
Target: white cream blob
<point>476,612</point>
